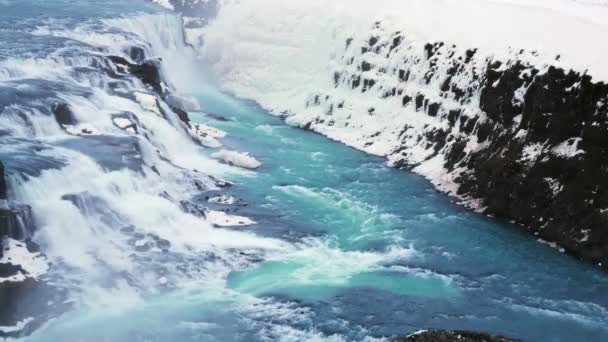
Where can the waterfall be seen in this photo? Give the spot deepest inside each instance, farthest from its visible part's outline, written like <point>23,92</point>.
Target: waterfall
<point>107,166</point>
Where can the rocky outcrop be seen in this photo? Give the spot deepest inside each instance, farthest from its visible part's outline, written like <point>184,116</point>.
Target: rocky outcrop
<point>147,71</point>
<point>451,336</point>
<point>519,137</point>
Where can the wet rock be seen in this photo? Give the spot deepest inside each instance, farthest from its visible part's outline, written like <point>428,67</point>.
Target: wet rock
<point>137,54</point>
<point>16,221</point>
<point>3,188</point>
<point>63,114</point>
<point>192,208</point>
<point>147,71</point>
<point>182,115</point>
<point>451,336</point>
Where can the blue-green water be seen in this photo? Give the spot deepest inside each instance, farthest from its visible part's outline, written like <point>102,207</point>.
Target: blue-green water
<point>391,254</point>
<point>376,252</point>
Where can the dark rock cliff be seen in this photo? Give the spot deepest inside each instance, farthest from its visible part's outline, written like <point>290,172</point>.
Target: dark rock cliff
<point>522,137</point>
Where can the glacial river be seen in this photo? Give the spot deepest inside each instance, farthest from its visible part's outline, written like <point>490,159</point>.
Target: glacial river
<point>344,249</point>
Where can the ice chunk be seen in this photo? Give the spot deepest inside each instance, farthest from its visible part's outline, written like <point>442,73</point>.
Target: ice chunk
<point>240,159</point>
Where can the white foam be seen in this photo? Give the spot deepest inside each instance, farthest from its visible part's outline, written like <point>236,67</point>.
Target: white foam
<point>16,253</point>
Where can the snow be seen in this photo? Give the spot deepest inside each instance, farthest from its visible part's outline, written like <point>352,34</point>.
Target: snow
<point>16,253</point>
<point>531,152</point>
<point>224,199</point>
<point>208,135</point>
<point>148,102</point>
<point>124,124</point>
<point>240,159</point>
<point>294,39</point>
<point>221,219</point>
<point>165,3</point>
<point>293,59</point>
<point>568,148</point>
<point>205,130</point>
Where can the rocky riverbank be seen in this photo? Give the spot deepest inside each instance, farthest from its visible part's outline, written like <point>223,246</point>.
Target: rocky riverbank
<point>451,336</point>
<point>513,138</point>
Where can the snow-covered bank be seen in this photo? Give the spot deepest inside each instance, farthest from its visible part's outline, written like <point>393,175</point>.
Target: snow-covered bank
<point>493,101</point>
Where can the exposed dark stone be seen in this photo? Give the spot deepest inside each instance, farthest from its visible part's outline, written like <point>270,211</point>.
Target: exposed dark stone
<point>356,81</point>
<point>452,336</point>
<point>367,84</point>
<point>433,109</point>
<point>182,115</point>
<point>147,71</point>
<point>406,100</point>
<point>419,101</point>
<point>365,66</point>
<point>137,54</point>
<point>484,130</point>
<point>63,114</point>
<point>348,42</point>
<point>469,55</point>
<point>16,222</point>
<point>3,188</point>
<point>498,93</point>
<point>453,115</point>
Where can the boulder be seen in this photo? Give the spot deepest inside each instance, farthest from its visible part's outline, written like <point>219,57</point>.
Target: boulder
<point>451,336</point>
<point>63,114</point>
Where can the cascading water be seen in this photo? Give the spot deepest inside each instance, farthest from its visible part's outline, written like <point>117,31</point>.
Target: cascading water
<point>108,201</point>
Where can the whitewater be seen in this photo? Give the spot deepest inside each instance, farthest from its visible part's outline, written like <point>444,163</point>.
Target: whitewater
<point>235,226</point>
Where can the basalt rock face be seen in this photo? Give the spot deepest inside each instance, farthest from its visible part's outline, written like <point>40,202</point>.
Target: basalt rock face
<point>520,137</point>
<point>451,336</point>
